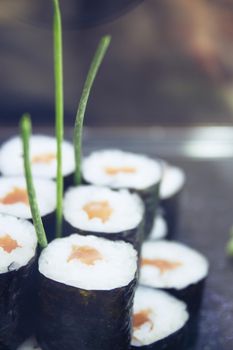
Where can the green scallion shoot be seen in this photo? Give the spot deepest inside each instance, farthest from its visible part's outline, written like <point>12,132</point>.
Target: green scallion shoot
<point>93,70</point>
<point>59,110</point>
<point>25,126</point>
<point>230,244</point>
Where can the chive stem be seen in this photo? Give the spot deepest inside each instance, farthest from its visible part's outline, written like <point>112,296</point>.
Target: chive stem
<point>229,247</point>
<point>93,70</point>
<point>59,110</point>
<point>26,127</point>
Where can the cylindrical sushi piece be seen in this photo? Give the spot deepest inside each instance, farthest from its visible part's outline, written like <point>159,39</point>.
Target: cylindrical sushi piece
<point>14,200</point>
<point>18,243</point>
<point>100,211</point>
<point>29,344</point>
<point>86,294</point>
<point>159,321</point>
<point>171,187</point>
<point>159,229</point>
<point>175,268</point>
<point>117,169</point>
<point>43,158</point>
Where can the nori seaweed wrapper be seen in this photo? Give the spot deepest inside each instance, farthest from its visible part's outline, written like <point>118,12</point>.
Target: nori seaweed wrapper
<point>150,197</point>
<point>133,236</point>
<point>193,327</point>
<point>17,302</point>
<point>191,295</point>
<point>171,212</point>
<point>68,181</point>
<point>72,318</point>
<point>175,341</point>
<point>163,237</point>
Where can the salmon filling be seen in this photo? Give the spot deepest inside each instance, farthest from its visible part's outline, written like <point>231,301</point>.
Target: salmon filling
<point>124,170</point>
<point>142,317</point>
<point>162,265</point>
<point>44,158</point>
<point>87,255</point>
<point>17,195</point>
<point>100,210</point>
<point>8,244</point>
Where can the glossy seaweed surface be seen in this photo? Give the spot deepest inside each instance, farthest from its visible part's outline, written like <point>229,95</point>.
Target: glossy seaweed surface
<point>133,236</point>
<point>73,318</point>
<point>17,304</point>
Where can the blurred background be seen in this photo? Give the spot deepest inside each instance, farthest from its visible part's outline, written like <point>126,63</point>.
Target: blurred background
<point>170,62</point>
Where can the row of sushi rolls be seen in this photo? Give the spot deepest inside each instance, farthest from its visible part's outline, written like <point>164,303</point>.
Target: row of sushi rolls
<point>115,279</point>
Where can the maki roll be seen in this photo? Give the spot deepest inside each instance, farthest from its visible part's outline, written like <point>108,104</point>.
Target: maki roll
<point>30,344</point>
<point>176,269</point>
<point>117,169</point>
<point>159,321</point>
<point>43,158</point>
<point>172,183</point>
<point>100,211</point>
<point>159,229</point>
<point>14,199</point>
<point>18,243</point>
<point>86,294</point>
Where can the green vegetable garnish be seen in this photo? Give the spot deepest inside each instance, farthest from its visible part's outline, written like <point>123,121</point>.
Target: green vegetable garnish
<point>25,126</point>
<point>93,70</point>
<point>230,244</point>
<point>59,109</point>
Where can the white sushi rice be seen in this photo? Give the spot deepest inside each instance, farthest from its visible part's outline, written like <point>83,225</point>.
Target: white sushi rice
<point>147,171</point>
<point>116,268</point>
<point>30,344</point>
<point>173,180</point>
<point>45,191</point>
<point>127,209</point>
<point>193,266</point>
<point>159,229</point>
<point>167,315</point>
<point>11,159</point>
<point>23,234</point>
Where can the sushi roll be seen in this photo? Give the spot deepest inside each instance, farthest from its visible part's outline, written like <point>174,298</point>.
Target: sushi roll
<point>14,200</point>
<point>43,158</point>
<point>18,243</point>
<point>86,293</point>
<point>176,269</point>
<point>159,229</point>
<point>172,184</point>
<point>100,211</point>
<point>117,169</point>
<point>159,321</point>
<point>30,344</point>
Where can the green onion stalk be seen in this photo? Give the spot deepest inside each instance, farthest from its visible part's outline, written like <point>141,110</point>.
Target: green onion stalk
<point>59,110</point>
<point>93,70</point>
<point>230,244</point>
<point>26,127</point>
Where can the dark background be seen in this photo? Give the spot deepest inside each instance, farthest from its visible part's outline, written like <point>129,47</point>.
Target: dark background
<point>170,61</point>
